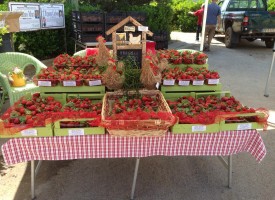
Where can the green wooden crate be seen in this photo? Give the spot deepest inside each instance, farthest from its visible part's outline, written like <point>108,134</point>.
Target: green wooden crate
<point>78,89</point>
<point>46,131</point>
<point>168,91</point>
<point>224,126</point>
<point>61,97</point>
<point>95,97</point>
<point>195,128</point>
<point>184,66</point>
<point>217,94</point>
<point>58,131</point>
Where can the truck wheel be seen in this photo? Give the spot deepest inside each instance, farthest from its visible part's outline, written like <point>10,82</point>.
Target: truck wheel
<point>231,38</point>
<point>269,43</point>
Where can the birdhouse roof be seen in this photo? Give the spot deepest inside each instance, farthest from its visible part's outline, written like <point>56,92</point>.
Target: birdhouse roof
<point>125,21</point>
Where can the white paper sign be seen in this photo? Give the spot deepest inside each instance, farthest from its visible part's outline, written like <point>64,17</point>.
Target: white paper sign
<point>30,19</point>
<point>75,132</point>
<point>197,128</point>
<point>213,81</point>
<point>130,28</point>
<point>94,82</point>
<point>69,83</point>
<point>198,82</point>
<point>183,83</point>
<point>29,132</point>
<point>142,28</point>
<point>169,82</point>
<point>245,126</point>
<point>45,83</point>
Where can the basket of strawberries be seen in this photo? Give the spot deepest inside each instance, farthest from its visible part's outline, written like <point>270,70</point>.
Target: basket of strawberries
<point>143,113</point>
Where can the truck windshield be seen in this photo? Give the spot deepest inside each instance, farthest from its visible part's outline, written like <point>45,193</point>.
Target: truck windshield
<point>246,5</point>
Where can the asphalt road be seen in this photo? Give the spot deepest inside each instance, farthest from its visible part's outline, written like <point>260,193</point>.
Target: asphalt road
<point>244,72</point>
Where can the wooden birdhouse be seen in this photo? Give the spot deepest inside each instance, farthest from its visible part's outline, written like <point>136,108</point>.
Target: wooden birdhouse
<point>135,45</point>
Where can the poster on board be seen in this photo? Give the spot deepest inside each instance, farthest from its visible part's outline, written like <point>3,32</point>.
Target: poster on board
<point>52,16</point>
<point>39,15</point>
<point>30,19</point>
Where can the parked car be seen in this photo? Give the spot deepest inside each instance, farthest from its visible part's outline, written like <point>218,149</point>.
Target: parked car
<point>246,19</point>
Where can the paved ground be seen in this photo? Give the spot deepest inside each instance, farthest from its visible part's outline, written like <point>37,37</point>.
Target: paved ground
<point>244,72</point>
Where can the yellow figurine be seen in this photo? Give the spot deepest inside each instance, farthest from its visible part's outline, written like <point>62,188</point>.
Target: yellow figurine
<point>17,78</point>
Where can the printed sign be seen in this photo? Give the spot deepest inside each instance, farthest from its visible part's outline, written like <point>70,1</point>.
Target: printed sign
<point>52,16</point>
<point>94,82</point>
<point>30,19</point>
<point>197,128</point>
<point>213,81</point>
<point>142,28</point>
<point>184,83</point>
<point>29,132</point>
<point>45,83</point>
<point>169,82</point>
<point>245,126</point>
<point>75,132</point>
<point>130,28</point>
<point>69,83</point>
<point>39,15</point>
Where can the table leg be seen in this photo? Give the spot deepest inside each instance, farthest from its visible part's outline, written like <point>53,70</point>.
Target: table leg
<point>228,165</point>
<point>34,171</point>
<point>32,179</point>
<point>229,170</point>
<point>135,179</point>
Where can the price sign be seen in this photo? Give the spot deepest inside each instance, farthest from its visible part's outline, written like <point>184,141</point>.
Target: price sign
<point>95,82</point>
<point>198,128</point>
<point>142,28</point>
<point>245,126</point>
<point>184,83</point>
<point>76,132</point>
<point>29,132</point>
<point>198,82</point>
<point>213,81</point>
<point>69,83</point>
<point>45,83</point>
<point>169,82</point>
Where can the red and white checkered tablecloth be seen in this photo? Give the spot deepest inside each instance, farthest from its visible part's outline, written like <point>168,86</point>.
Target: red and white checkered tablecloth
<point>106,146</point>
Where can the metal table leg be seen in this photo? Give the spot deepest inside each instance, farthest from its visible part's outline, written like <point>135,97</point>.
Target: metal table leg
<point>32,179</point>
<point>228,165</point>
<point>135,179</point>
<point>34,171</point>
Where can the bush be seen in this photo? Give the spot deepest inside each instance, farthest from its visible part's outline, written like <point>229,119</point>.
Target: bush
<point>183,21</point>
<point>271,5</point>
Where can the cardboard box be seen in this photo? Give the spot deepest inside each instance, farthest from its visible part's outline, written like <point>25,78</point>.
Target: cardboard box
<point>11,19</point>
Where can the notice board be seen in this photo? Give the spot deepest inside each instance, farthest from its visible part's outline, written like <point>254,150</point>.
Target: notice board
<point>39,15</point>
<point>133,54</point>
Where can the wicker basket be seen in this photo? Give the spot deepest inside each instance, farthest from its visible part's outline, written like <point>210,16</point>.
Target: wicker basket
<point>148,127</point>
